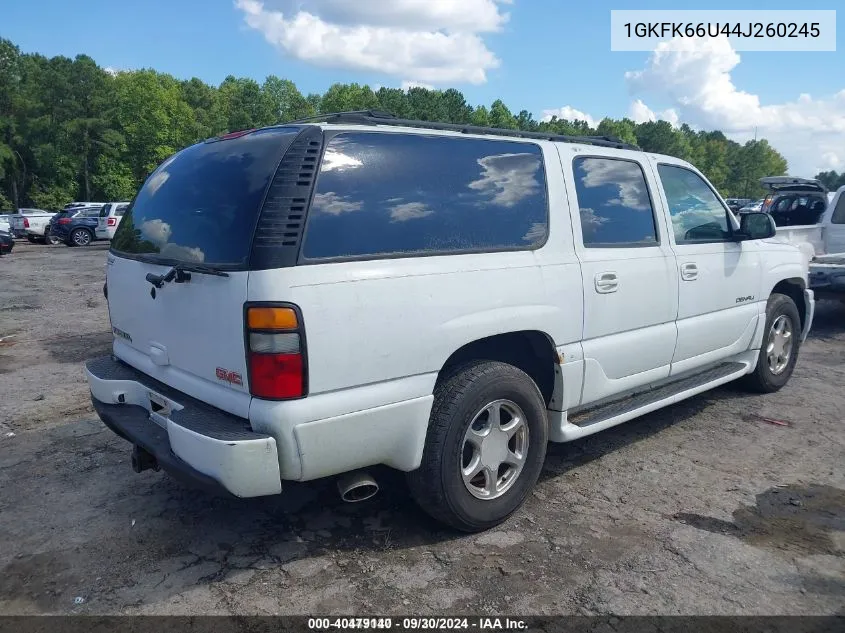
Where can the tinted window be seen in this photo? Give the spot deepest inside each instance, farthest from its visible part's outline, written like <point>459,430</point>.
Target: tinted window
<point>838,216</point>
<point>202,204</point>
<point>614,203</point>
<point>121,209</point>
<point>91,213</point>
<point>697,214</point>
<point>105,210</point>
<point>380,194</point>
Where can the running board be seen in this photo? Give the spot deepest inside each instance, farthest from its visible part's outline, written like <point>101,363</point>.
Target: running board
<point>597,418</point>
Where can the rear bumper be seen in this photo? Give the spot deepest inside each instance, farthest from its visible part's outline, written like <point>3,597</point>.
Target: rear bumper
<point>191,440</point>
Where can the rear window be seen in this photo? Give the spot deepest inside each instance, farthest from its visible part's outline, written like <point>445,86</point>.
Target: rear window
<point>383,194</point>
<point>201,204</point>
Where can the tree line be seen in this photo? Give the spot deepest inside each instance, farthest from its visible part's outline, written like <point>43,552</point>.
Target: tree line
<point>71,130</point>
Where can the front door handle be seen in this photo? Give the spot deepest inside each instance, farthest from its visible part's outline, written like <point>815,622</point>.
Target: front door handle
<point>606,283</point>
<point>689,271</point>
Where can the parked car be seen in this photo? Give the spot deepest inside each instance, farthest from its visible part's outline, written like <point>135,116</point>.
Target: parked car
<point>79,205</point>
<point>7,242</point>
<point>4,223</point>
<point>30,223</point>
<point>75,227</point>
<point>285,307</point>
<point>735,204</point>
<point>753,207</point>
<point>110,216</point>
<point>794,201</point>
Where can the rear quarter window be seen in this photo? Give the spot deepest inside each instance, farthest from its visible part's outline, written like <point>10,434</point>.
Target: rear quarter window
<point>201,205</point>
<point>388,194</point>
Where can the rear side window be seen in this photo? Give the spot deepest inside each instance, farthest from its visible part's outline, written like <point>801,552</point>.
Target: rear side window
<point>201,205</point>
<point>614,203</point>
<point>383,194</point>
<point>104,212</point>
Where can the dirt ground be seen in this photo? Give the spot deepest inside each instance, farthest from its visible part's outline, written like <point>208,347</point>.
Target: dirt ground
<point>701,508</point>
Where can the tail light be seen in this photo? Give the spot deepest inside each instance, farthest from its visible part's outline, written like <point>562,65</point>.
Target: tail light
<point>64,221</point>
<point>275,341</point>
<point>111,222</point>
<point>26,223</point>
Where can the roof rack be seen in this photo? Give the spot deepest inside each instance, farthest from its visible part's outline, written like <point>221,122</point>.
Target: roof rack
<point>378,117</point>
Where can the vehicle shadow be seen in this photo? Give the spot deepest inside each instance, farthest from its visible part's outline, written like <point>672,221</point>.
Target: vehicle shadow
<point>146,538</point>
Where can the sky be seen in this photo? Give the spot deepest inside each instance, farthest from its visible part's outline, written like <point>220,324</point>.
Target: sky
<point>544,56</point>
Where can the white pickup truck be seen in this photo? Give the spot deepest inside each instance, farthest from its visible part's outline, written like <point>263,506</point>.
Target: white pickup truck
<point>30,223</point>
<point>822,242</point>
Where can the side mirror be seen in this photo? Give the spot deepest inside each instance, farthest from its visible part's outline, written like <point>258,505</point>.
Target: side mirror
<point>755,226</point>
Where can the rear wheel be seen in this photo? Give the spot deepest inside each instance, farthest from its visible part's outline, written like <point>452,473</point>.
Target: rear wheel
<point>31,239</point>
<point>50,239</point>
<point>80,237</point>
<point>485,446</point>
<point>781,341</point>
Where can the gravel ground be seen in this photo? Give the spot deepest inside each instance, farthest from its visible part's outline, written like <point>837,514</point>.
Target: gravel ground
<point>701,508</point>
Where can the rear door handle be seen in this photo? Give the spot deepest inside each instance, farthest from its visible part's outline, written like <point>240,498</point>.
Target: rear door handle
<point>606,283</point>
<point>689,271</point>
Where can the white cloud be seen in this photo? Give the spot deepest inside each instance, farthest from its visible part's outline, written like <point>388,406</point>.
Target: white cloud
<point>409,211</point>
<point>431,41</point>
<point>334,160</point>
<point>570,114</point>
<point>639,112</point>
<point>468,15</point>
<point>696,80</point>
<point>334,204</point>
<point>508,178</point>
<point>407,85</point>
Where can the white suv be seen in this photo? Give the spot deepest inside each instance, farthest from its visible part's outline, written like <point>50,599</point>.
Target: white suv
<point>316,298</point>
<point>110,217</point>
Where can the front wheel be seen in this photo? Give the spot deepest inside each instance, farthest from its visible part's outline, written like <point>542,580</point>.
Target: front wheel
<point>80,237</point>
<point>781,340</point>
<point>485,446</point>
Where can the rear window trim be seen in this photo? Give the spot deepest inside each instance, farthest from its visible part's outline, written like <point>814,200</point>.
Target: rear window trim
<point>246,266</point>
<point>329,134</point>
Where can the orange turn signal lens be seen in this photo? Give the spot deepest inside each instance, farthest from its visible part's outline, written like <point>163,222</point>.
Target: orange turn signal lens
<point>271,319</point>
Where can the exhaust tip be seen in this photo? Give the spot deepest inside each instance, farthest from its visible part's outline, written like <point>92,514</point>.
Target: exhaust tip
<point>356,486</point>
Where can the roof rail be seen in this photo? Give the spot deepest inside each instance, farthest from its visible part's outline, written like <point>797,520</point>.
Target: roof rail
<point>377,117</point>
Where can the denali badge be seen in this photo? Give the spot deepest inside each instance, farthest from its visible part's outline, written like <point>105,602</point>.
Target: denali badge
<point>121,334</point>
<point>232,377</point>
<point>744,299</point>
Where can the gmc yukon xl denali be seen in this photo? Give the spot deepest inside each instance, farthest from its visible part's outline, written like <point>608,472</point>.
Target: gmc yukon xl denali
<point>312,299</point>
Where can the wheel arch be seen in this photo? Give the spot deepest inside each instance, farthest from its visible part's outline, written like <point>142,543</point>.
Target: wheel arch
<point>532,351</point>
<point>793,288</point>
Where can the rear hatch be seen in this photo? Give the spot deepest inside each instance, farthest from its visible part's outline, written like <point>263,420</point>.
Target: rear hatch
<point>782,184</point>
<point>195,218</point>
<point>102,220</point>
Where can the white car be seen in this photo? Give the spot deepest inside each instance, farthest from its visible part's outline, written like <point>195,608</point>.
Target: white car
<point>30,223</point>
<point>317,298</point>
<point>110,216</point>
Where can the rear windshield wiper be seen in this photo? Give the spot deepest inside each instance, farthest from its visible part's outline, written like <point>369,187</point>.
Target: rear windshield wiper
<point>181,273</point>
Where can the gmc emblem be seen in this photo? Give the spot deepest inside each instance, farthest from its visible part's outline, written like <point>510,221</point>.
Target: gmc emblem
<point>232,377</point>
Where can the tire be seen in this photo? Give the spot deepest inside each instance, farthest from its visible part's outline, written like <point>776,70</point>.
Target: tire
<point>768,378</point>
<point>80,237</point>
<point>50,240</point>
<point>31,239</point>
<point>460,400</point>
